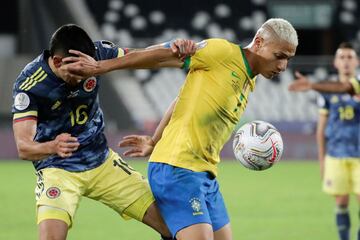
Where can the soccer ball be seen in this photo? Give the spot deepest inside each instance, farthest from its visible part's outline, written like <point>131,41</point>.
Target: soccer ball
<point>258,145</point>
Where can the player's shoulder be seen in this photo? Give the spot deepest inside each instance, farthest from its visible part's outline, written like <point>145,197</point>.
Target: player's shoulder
<point>33,76</point>
<point>214,43</point>
<point>217,41</point>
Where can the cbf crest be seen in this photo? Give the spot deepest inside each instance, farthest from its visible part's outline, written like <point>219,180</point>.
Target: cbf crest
<point>195,204</point>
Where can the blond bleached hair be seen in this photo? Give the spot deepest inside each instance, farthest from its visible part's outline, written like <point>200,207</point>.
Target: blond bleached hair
<point>278,28</point>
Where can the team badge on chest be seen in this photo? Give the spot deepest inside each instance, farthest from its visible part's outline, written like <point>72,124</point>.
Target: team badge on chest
<point>89,84</point>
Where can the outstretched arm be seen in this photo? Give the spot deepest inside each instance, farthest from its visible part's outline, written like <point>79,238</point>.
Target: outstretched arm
<point>158,56</point>
<point>302,84</point>
<point>142,145</point>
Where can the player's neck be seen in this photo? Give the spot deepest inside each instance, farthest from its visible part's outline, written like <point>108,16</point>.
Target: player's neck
<point>251,58</point>
<point>345,77</point>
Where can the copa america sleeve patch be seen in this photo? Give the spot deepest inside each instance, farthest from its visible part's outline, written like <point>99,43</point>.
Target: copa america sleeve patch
<point>22,101</point>
<point>201,44</point>
<point>107,44</point>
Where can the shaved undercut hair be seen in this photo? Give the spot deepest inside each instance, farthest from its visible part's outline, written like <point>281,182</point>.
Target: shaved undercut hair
<point>278,28</point>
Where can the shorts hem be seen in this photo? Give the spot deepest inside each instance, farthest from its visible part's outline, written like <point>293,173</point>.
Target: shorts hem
<point>53,213</point>
<point>188,225</point>
<point>148,200</point>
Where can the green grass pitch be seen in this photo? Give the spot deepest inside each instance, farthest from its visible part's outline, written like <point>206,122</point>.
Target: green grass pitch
<point>281,203</point>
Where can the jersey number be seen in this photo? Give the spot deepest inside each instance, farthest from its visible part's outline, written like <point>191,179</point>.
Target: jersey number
<point>346,113</point>
<point>79,116</point>
<point>123,165</point>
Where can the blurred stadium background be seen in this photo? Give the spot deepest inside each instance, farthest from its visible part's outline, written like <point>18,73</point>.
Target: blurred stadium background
<point>135,101</point>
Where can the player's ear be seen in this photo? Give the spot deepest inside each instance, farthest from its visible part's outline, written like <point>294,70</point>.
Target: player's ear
<point>57,60</point>
<point>258,42</point>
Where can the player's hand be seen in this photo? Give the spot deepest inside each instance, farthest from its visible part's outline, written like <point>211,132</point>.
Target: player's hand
<point>80,65</point>
<point>183,48</point>
<point>300,84</point>
<point>64,145</point>
<point>70,78</point>
<point>140,145</point>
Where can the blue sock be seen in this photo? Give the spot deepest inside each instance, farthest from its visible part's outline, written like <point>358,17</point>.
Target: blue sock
<point>343,222</point>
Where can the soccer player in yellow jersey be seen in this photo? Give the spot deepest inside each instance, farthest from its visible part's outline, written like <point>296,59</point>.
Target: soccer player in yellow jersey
<point>186,145</point>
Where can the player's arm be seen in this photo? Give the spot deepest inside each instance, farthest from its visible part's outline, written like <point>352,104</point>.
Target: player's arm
<point>320,138</point>
<point>164,122</point>
<point>143,145</point>
<point>28,149</point>
<point>158,56</point>
<point>302,84</point>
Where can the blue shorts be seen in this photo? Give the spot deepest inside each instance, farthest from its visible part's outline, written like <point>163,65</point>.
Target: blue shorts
<point>186,198</point>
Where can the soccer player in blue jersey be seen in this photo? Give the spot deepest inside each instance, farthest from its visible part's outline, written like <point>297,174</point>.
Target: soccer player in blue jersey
<point>183,163</point>
<point>338,134</point>
<point>58,125</point>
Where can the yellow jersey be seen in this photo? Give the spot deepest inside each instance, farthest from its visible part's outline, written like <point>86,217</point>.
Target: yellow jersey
<point>209,106</point>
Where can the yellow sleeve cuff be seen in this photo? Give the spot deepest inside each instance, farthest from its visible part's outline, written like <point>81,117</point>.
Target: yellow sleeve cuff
<point>121,52</point>
<point>356,85</point>
<point>324,111</point>
<point>25,114</point>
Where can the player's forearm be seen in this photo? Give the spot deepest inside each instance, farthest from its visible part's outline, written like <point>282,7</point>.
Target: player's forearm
<point>332,87</point>
<point>151,58</point>
<point>34,151</point>
<point>321,144</point>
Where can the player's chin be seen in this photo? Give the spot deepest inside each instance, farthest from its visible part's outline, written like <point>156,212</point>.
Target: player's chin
<point>269,75</point>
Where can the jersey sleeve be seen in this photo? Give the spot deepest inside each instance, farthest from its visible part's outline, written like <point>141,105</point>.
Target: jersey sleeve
<point>323,104</point>
<point>24,106</point>
<point>108,50</point>
<point>355,82</point>
<point>208,54</point>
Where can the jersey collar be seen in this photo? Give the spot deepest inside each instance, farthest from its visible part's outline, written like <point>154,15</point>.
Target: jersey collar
<point>247,65</point>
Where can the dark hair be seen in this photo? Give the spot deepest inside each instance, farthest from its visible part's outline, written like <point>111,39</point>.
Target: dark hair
<point>346,45</point>
<point>68,37</point>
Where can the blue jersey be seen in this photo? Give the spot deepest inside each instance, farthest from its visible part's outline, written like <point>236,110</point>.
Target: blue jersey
<point>39,94</point>
<point>343,125</point>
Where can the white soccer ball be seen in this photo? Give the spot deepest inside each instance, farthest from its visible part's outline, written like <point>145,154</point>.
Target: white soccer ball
<point>258,145</point>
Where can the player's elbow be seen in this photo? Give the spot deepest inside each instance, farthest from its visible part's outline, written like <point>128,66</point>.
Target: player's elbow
<point>22,156</point>
<point>22,152</point>
<point>348,88</point>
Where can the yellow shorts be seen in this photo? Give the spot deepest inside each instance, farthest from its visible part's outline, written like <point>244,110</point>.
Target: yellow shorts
<point>113,183</point>
<point>341,176</point>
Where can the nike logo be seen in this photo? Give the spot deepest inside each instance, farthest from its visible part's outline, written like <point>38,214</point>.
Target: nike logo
<point>234,74</point>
